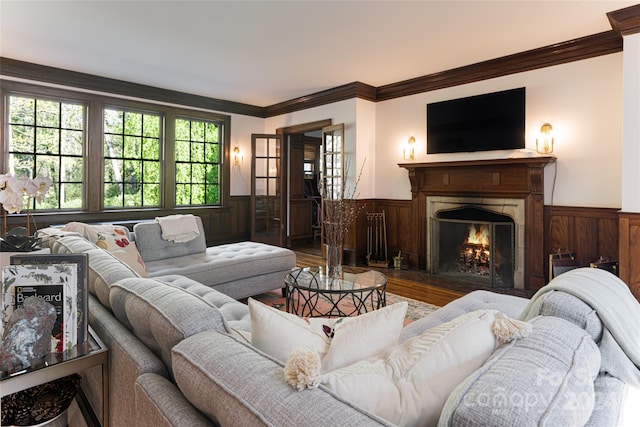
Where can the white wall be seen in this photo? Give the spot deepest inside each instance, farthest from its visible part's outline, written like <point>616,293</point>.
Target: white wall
<point>241,129</point>
<point>583,102</point>
<point>631,125</point>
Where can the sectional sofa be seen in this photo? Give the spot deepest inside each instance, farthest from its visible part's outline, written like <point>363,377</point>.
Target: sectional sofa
<point>179,356</point>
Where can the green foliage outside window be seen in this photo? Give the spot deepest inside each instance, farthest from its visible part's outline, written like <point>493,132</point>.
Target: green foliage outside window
<point>131,159</point>
<point>197,162</point>
<point>47,138</point>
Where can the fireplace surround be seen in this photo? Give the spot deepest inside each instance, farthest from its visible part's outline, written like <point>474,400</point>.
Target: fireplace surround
<point>504,220</point>
<point>511,186</point>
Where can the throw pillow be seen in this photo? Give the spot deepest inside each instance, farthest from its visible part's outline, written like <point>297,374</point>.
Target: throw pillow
<point>409,384</point>
<point>113,239</point>
<point>123,249</point>
<point>356,338</point>
<point>337,342</point>
<point>278,333</point>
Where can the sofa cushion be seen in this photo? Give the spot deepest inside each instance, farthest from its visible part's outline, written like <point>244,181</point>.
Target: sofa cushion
<point>104,268</point>
<point>543,379</point>
<point>153,247</point>
<point>412,381</point>
<point>161,315</point>
<point>234,313</point>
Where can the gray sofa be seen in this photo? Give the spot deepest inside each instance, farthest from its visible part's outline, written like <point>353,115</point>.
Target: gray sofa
<point>176,359</point>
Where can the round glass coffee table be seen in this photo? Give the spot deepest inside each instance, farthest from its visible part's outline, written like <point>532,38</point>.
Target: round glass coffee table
<point>310,293</point>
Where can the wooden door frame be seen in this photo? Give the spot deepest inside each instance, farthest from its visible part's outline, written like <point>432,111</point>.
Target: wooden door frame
<point>283,132</point>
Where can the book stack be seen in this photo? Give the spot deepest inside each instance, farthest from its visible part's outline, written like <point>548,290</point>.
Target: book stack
<point>59,279</point>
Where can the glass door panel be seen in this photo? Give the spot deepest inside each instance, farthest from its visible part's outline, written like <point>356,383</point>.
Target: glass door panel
<point>266,191</point>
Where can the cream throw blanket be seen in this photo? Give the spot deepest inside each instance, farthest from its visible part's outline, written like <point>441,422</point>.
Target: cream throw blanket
<point>618,310</point>
<point>179,228</point>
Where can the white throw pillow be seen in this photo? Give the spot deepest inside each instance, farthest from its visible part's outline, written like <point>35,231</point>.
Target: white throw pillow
<point>278,333</point>
<point>409,384</point>
<point>356,338</point>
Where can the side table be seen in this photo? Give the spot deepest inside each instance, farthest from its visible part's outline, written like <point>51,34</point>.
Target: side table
<point>59,365</point>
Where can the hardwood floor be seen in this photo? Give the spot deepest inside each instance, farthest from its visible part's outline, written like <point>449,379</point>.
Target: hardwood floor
<point>419,285</point>
<point>405,287</point>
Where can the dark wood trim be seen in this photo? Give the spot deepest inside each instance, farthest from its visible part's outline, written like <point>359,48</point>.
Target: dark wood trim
<point>329,96</point>
<point>629,250</point>
<point>625,21</point>
<point>26,70</point>
<point>305,127</point>
<point>556,54</point>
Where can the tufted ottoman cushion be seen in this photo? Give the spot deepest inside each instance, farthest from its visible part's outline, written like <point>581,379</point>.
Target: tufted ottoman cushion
<point>236,269</point>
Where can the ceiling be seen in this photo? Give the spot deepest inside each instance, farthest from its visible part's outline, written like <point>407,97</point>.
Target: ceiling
<point>265,52</point>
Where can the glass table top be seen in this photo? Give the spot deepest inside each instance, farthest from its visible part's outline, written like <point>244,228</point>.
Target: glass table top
<point>315,279</point>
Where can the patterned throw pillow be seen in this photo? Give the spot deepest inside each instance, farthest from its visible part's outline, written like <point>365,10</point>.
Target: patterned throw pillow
<point>124,250</point>
<point>113,239</point>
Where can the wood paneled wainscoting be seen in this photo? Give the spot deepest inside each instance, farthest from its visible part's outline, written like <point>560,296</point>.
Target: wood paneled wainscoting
<point>629,250</point>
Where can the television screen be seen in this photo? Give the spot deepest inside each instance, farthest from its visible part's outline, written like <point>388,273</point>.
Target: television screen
<point>493,121</point>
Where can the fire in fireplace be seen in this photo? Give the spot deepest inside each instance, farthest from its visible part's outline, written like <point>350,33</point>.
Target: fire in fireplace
<point>474,245</point>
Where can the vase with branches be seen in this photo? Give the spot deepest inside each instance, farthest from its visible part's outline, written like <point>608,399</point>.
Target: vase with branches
<point>339,211</point>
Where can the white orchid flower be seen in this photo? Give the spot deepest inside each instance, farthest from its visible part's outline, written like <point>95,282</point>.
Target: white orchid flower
<point>42,183</point>
<point>23,186</point>
<point>13,204</point>
<point>3,180</point>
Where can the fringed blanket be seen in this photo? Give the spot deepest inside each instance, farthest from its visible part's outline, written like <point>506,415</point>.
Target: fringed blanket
<point>618,310</point>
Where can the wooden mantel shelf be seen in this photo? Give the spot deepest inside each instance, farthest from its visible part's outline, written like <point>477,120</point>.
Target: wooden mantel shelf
<point>517,175</point>
<point>533,160</point>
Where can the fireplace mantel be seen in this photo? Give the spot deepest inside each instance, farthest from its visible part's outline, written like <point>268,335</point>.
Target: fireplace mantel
<point>509,175</point>
<point>517,178</point>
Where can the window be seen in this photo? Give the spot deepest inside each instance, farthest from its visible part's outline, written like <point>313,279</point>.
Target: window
<point>108,153</point>
<point>46,137</point>
<point>131,158</point>
<point>197,145</point>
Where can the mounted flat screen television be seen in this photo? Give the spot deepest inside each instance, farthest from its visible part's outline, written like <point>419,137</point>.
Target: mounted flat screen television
<point>493,121</point>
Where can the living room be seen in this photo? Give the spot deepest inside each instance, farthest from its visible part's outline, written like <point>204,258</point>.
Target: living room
<point>583,197</point>
<point>577,85</point>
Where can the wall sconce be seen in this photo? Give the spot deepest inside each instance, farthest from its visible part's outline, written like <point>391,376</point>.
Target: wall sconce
<point>544,143</point>
<point>238,158</point>
<point>409,149</point>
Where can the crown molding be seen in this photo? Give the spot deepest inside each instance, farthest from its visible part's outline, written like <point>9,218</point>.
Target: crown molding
<point>560,53</point>
<point>625,21</point>
<point>340,93</point>
<point>73,79</point>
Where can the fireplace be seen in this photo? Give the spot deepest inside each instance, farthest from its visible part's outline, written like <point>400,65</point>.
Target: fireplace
<point>475,245</point>
<point>513,187</point>
<point>449,222</point>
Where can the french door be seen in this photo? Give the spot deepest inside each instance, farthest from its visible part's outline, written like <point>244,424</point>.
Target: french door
<point>268,208</point>
<point>332,177</point>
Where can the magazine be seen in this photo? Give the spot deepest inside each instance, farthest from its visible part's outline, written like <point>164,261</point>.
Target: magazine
<point>54,295</point>
<point>82,267</point>
<point>32,275</point>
